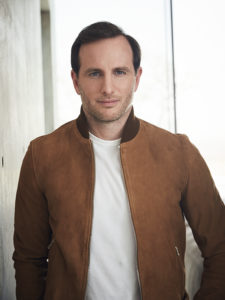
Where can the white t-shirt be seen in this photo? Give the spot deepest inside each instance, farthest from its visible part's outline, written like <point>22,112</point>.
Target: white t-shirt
<point>112,273</point>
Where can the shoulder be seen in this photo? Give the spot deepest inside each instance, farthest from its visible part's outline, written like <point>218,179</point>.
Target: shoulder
<point>53,145</point>
<point>175,145</point>
<point>56,136</point>
<point>161,138</point>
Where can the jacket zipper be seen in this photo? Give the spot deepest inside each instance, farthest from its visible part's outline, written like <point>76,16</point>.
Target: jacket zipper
<point>177,250</point>
<point>90,224</point>
<point>132,213</point>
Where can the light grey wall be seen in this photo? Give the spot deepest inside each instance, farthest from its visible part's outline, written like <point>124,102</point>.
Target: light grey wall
<point>21,113</point>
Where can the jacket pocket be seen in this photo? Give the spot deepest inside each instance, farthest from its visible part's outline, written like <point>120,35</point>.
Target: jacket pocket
<point>185,297</point>
<point>51,251</point>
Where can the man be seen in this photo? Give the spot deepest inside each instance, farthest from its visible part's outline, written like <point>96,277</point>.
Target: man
<point>101,201</point>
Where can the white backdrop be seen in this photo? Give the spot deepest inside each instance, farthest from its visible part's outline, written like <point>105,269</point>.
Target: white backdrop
<point>199,35</point>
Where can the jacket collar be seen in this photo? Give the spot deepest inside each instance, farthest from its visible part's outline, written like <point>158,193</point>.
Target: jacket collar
<point>130,129</point>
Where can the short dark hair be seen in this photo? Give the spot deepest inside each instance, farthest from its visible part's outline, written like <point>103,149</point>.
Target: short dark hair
<point>98,31</point>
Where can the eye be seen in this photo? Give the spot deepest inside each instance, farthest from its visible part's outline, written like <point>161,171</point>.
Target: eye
<point>120,72</point>
<point>94,74</point>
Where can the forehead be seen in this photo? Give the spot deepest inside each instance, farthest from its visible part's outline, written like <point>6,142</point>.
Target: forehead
<point>111,51</point>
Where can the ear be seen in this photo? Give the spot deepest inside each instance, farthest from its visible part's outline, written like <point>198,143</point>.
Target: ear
<point>75,81</point>
<point>137,79</point>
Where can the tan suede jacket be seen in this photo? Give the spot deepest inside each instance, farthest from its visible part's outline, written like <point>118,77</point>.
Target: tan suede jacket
<point>165,178</point>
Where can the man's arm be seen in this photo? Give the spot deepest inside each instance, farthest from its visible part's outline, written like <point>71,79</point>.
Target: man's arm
<point>32,234</point>
<point>205,213</point>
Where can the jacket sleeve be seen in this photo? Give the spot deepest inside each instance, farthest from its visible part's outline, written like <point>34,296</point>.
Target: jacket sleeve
<point>205,213</point>
<point>31,234</point>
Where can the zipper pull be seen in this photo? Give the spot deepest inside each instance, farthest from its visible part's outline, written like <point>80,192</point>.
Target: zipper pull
<point>177,250</point>
<point>51,243</point>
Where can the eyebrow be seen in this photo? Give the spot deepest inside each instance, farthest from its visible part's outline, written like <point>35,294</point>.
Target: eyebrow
<point>90,70</point>
<point>123,68</point>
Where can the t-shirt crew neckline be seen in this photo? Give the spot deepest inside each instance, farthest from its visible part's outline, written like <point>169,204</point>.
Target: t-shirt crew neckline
<point>109,143</point>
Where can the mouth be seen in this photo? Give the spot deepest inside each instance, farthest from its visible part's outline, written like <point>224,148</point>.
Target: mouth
<point>108,102</point>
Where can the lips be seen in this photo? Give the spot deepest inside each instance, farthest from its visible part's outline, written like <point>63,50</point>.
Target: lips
<point>108,102</point>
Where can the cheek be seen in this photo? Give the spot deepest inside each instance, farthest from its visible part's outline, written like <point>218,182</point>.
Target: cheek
<point>90,89</point>
<point>127,87</point>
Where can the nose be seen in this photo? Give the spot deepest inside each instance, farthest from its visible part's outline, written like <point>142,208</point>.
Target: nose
<point>107,84</point>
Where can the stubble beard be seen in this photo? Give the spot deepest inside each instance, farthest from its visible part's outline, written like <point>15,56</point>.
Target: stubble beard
<point>98,116</point>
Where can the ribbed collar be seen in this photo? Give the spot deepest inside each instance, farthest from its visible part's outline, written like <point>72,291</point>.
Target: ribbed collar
<point>130,129</point>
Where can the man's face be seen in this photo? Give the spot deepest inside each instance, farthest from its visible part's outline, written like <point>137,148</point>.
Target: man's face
<point>107,79</point>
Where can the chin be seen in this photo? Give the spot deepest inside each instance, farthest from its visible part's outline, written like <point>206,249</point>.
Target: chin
<point>108,118</point>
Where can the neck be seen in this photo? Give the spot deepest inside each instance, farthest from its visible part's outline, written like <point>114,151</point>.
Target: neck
<point>108,130</point>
